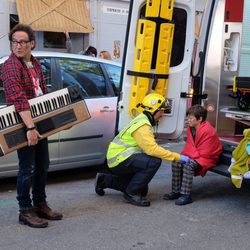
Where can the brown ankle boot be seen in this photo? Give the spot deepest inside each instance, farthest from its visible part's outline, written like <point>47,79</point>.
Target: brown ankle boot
<point>30,218</point>
<point>44,211</point>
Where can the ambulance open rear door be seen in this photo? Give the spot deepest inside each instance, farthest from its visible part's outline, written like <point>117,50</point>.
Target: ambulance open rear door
<point>158,29</point>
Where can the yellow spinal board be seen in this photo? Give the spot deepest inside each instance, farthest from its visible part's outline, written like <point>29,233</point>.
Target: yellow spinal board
<point>162,7</point>
<point>164,56</point>
<point>153,8</point>
<point>142,75</point>
<point>167,7</point>
<point>142,63</point>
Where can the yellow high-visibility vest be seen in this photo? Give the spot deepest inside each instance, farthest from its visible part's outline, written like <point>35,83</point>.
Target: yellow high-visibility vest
<point>124,145</point>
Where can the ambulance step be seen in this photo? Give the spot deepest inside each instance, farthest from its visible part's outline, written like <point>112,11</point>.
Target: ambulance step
<point>221,169</point>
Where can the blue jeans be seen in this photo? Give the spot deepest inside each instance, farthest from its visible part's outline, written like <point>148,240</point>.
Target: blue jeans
<point>134,174</point>
<point>33,168</point>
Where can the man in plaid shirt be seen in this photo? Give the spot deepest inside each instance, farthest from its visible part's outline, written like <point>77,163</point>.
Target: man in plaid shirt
<point>23,79</point>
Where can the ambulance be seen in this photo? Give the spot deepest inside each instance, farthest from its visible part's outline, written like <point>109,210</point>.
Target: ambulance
<point>192,52</point>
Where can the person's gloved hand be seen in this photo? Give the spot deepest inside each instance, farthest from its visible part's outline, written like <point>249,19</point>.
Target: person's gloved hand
<point>185,159</point>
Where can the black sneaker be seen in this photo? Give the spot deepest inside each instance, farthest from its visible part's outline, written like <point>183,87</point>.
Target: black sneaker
<point>136,200</point>
<point>184,200</point>
<point>99,182</point>
<point>171,196</point>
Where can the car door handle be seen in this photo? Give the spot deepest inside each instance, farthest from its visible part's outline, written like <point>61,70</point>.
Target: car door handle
<point>106,109</point>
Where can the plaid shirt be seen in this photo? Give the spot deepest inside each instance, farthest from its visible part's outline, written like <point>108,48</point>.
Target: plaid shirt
<point>17,82</point>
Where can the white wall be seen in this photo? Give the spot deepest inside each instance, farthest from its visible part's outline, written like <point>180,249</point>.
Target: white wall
<point>109,19</point>
<point>4,27</point>
<point>108,27</point>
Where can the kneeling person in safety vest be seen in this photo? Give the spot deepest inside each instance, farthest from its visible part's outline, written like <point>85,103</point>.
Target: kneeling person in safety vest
<point>134,157</point>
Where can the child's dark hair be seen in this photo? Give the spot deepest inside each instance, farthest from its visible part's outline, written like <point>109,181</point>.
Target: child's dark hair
<point>25,28</point>
<point>197,111</point>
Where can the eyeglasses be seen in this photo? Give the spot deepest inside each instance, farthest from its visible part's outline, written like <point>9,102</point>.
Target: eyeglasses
<point>21,43</point>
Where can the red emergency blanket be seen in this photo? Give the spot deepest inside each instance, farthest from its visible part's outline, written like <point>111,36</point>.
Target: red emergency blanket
<point>205,149</point>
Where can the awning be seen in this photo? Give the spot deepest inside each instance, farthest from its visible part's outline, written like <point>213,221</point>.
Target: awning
<point>55,15</point>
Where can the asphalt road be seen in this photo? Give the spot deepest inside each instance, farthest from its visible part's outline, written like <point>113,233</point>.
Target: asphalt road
<point>217,219</point>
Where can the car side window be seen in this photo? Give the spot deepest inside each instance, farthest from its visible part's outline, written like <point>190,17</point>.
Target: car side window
<point>114,73</point>
<point>86,74</point>
<point>46,67</point>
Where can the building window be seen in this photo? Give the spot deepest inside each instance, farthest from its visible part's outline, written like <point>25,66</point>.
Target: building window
<point>54,40</point>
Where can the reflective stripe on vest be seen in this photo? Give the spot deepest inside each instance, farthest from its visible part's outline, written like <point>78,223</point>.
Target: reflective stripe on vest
<point>124,154</point>
<point>123,145</point>
<point>119,142</point>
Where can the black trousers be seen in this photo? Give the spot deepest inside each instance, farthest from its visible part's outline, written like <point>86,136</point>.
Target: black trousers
<point>133,175</point>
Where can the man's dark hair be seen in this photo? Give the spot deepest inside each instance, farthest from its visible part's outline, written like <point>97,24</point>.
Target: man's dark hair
<point>91,50</point>
<point>25,28</point>
<point>198,111</point>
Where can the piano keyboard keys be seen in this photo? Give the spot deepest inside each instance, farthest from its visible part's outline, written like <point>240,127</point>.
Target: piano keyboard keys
<point>38,106</point>
<point>68,109</point>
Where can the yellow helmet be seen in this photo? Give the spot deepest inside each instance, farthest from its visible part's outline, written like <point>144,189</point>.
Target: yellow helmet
<point>153,102</point>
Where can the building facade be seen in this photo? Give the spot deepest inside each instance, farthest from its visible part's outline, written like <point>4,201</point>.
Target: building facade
<point>108,18</point>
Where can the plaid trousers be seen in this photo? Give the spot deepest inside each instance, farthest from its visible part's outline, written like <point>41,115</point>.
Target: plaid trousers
<point>182,176</point>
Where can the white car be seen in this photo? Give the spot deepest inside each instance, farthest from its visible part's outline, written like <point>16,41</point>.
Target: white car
<point>86,143</point>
